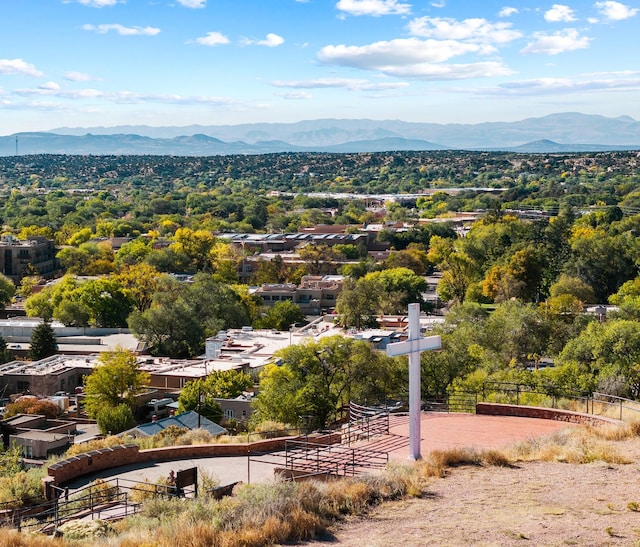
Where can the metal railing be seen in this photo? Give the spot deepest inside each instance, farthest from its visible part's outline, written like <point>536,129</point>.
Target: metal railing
<point>365,422</point>
<point>308,458</point>
<point>595,403</point>
<point>105,500</point>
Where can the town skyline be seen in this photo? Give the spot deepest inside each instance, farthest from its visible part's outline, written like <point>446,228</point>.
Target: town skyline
<point>84,63</point>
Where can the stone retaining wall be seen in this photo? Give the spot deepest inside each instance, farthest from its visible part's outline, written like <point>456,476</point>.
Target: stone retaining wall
<point>542,413</point>
<point>117,456</point>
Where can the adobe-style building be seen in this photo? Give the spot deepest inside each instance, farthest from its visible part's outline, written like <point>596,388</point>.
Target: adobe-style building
<point>314,295</point>
<point>21,257</point>
<point>38,435</point>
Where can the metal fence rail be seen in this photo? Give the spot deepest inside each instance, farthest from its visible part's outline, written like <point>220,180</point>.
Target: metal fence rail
<point>595,403</point>
<point>306,457</point>
<point>365,422</point>
<point>107,500</point>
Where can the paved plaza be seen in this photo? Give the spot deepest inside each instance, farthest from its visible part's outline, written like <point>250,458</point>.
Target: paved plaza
<point>439,431</point>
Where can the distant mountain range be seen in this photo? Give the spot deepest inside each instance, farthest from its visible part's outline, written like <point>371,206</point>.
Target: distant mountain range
<point>565,132</point>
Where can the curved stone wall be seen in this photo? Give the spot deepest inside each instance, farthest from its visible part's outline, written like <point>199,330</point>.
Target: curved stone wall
<point>542,413</point>
<point>116,456</point>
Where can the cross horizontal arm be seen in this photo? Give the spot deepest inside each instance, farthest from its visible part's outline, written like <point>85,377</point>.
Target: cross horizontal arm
<point>411,346</point>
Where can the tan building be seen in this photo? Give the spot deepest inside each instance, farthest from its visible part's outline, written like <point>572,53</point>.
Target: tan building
<point>316,294</point>
<point>21,257</point>
<point>38,435</point>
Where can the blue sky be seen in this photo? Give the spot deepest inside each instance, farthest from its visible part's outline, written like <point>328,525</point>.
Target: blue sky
<point>84,63</point>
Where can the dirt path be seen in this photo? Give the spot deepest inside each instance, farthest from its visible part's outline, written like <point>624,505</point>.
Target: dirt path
<point>534,503</point>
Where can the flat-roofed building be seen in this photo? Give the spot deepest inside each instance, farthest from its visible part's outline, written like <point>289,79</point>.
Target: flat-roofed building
<point>21,257</point>
<point>315,294</point>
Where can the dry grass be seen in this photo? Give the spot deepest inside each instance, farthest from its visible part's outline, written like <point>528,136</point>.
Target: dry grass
<point>280,512</point>
<point>579,445</point>
<point>13,538</point>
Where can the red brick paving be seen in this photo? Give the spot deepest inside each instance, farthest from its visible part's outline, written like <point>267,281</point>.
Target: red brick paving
<point>443,431</point>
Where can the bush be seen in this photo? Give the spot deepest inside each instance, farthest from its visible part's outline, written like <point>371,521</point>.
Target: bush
<point>115,420</point>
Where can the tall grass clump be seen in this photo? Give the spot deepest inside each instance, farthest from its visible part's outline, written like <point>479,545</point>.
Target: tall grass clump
<point>578,445</point>
<point>13,538</point>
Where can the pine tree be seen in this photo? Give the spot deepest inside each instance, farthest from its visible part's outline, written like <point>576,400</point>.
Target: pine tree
<point>43,342</point>
<point>5,354</point>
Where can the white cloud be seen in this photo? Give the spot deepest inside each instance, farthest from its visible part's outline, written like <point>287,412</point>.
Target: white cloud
<point>353,84</point>
<point>507,11</point>
<point>584,83</point>
<point>413,58</point>
<point>212,39</point>
<point>373,7</point>
<point>474,30</point>
<point>615,11</point>
<point>120,97</point>
<point>272,40</point>
<point>402,51</point>
<point>438,4</point>
<point>193,3</point>
<point>49,86</point>
<point>296,95</point>
<point>559,13</point>
<point>558,42</point>
<point>18,66</point>
<point>122,30</point>
<point>98,3</point>
<point>79,77</point>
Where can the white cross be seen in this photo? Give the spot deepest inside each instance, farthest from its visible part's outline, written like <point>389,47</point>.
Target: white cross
<point>412,347</point>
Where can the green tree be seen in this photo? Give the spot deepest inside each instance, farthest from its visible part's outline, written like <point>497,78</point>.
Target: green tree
<point>197,396</point>
<point>5,354</point>
<point>281,316</point>
<point>7,290</point>
<point>106,301</point>
<point>358,304</point>
<point>183,315</point>
<point>400,287</point>
<point>317,378</point>
<point>573,286</point>
<point>43,342</point>
<point>116,379</point>
<point>114,420</point>
<point>200,395</point>
<point>513,332</point>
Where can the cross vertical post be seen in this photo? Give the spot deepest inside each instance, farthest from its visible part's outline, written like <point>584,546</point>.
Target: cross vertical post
<point>412,347</point>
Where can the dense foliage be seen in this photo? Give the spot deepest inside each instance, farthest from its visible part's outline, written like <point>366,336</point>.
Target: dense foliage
<point>557,232</point>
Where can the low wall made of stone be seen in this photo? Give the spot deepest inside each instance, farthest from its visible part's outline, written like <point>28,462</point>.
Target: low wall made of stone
<point>542,413</point>
<point>117,456</point>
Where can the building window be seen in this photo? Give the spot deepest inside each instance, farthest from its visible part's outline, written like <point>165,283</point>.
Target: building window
<point>229,413</point>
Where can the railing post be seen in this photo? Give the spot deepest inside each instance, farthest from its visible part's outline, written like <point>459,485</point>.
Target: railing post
<point>620,409</point>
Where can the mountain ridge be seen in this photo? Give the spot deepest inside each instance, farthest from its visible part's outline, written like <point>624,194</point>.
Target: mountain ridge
<point>561,132</point>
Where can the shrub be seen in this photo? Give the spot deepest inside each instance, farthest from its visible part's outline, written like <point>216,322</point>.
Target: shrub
<point>148,490</point>
<point>115,420</point>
